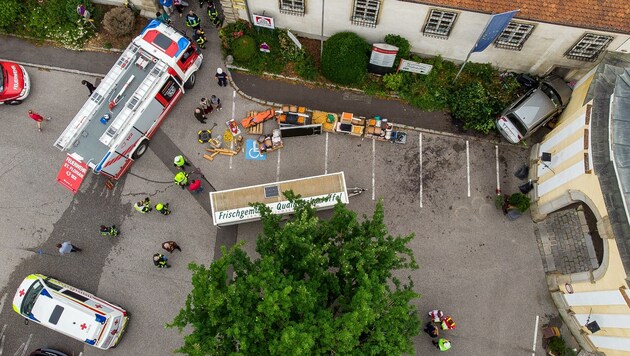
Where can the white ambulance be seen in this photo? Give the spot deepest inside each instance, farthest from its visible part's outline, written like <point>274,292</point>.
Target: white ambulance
<point>114,126</point>
<point>70,311</point>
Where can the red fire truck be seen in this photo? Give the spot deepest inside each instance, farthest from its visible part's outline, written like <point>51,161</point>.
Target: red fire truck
<point>114,126</point>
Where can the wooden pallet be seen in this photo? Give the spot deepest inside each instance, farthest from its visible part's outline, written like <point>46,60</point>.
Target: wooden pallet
<point>256,129</point>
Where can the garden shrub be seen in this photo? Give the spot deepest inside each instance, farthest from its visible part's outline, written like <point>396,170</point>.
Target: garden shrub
<point>345,58</point>
<point>9,12</point>
<point>305,67</point>
<point>522,203</point>
<point>404,47</point>
<point>430,92</point>
<point>288,49</point>
<point>393,81</point>
<point>470,103</point>
<point>119,21</point>
<point>244,49</point>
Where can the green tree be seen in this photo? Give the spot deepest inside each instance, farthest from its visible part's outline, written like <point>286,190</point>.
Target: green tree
<point>319,287</point>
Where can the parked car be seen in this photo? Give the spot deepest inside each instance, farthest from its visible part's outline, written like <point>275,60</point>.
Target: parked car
<point>14,83</point>
<point>534,109</point>
<point>70,311</point>
<point>47,352</point>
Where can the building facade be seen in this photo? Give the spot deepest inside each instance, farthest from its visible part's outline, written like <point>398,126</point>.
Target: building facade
<point>567,37</point>
<point>585,160</point>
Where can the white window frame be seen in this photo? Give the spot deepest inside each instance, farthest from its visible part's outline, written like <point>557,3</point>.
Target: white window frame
<point>365,12</point>
<point>439,18</point>
<point>292,7</point>
<point>589,47</point>
<point>514,35</point>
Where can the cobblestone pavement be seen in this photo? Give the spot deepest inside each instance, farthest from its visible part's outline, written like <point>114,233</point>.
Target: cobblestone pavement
<point>565,243</point>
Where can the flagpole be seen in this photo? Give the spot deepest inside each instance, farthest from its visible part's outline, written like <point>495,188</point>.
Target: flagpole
<point>473,47</point>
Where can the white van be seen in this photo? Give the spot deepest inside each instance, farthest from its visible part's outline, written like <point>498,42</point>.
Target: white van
<point>70,311</point>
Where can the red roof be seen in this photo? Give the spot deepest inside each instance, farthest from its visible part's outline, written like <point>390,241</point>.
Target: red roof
<point>603,15</point>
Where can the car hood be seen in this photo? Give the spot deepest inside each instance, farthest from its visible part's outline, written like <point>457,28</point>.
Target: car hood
<point>13,80</point>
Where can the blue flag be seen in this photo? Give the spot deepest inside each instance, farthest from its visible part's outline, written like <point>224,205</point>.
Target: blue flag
<point>495,26</point>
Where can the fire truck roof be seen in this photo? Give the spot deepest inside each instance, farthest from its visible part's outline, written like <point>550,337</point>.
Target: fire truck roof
<point>168,40</point>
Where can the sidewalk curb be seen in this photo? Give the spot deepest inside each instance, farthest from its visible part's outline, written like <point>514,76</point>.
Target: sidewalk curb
<point>59,69</point>
<point>405,127</point>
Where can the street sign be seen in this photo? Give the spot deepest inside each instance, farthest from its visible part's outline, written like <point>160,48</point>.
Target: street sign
<point>414,67</point>
<point>383,55</point>
<point>263,21</point>
<point>72,173</point>
<point>294,39</point>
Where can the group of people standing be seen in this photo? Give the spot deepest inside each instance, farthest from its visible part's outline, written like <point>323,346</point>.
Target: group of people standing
<point>439,321</point>
<point>192,20</point>
<point>206,106</point>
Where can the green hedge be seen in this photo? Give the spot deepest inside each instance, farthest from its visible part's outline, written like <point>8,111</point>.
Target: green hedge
<point>55,20</point>
<point>345,58</point>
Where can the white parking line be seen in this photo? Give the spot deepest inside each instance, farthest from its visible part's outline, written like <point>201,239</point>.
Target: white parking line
<point>326,156</point>
<point>420,160</point>
<point>468,166</point>
<point>496,155</point>
<point>373,169</point>
<point>232,148</point>
<point>535,336</point>
<point>278,167</point>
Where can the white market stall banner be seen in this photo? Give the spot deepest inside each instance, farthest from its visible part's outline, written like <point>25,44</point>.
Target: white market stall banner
<point>283,207</point>
<point>414,67</point>
<point>263,21</point>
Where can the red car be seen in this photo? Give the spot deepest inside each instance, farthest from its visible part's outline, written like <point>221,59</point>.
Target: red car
<point>14,83</point>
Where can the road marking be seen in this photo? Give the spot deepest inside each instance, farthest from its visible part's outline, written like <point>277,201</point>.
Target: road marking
<point>278,167</point>
<point>2,300</point>
<point>496,155</point>
<point>420,159</point>
<point>326,156</point>
<point>233,113</point>
<point>233,103</point>
<point>373,169</point>
<point>468,166</point>
<point>535,336</point>
<point>232,148</point>
<point>4,329</point>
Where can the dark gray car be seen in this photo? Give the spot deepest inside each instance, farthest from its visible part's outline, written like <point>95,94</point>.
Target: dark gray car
<point>534,109</point>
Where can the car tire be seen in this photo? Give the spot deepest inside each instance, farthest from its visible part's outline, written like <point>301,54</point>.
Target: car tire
<point>14,102</point>
<point>190,83</point>
<point>142,148</point>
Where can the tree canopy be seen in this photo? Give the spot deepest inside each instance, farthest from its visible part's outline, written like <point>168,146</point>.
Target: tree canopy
<point>318,287</point>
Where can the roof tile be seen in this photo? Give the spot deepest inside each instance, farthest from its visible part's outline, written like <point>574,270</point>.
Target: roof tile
<point>604,15</point>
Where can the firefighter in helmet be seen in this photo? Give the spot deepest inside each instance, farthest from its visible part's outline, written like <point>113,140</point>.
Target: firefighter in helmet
<point>200,37</point>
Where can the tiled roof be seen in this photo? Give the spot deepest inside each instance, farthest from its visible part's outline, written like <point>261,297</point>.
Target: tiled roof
<point>604,15</point>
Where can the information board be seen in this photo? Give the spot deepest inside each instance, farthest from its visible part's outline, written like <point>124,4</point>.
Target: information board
<point>72,173</point>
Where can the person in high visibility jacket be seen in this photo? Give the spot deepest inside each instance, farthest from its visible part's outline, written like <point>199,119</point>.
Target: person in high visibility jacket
<point>192,20</point>
<point>162,208</point>
<point>442,344</point>
<point>143,206</point>
<point>109,230</point>
<point>200,37</point>
<point>213,14</point>
<point>448,323</point>
<point>181,179</point>
<point>180,161</point>
<point>159,260</point>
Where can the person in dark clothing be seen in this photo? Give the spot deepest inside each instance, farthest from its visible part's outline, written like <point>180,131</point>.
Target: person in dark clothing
<point>221,77</point>
<point>192,21</point>
<point>200,116</point>
<point>213,14</point>
<point>432,330</point>
<point>171,246</point>
<point>89,86</point>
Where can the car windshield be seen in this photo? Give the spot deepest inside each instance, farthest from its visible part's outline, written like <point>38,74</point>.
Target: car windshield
<point>517,123</point>
<point>31,297</point>
<point>553,96</point>
<point>2,76</point>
